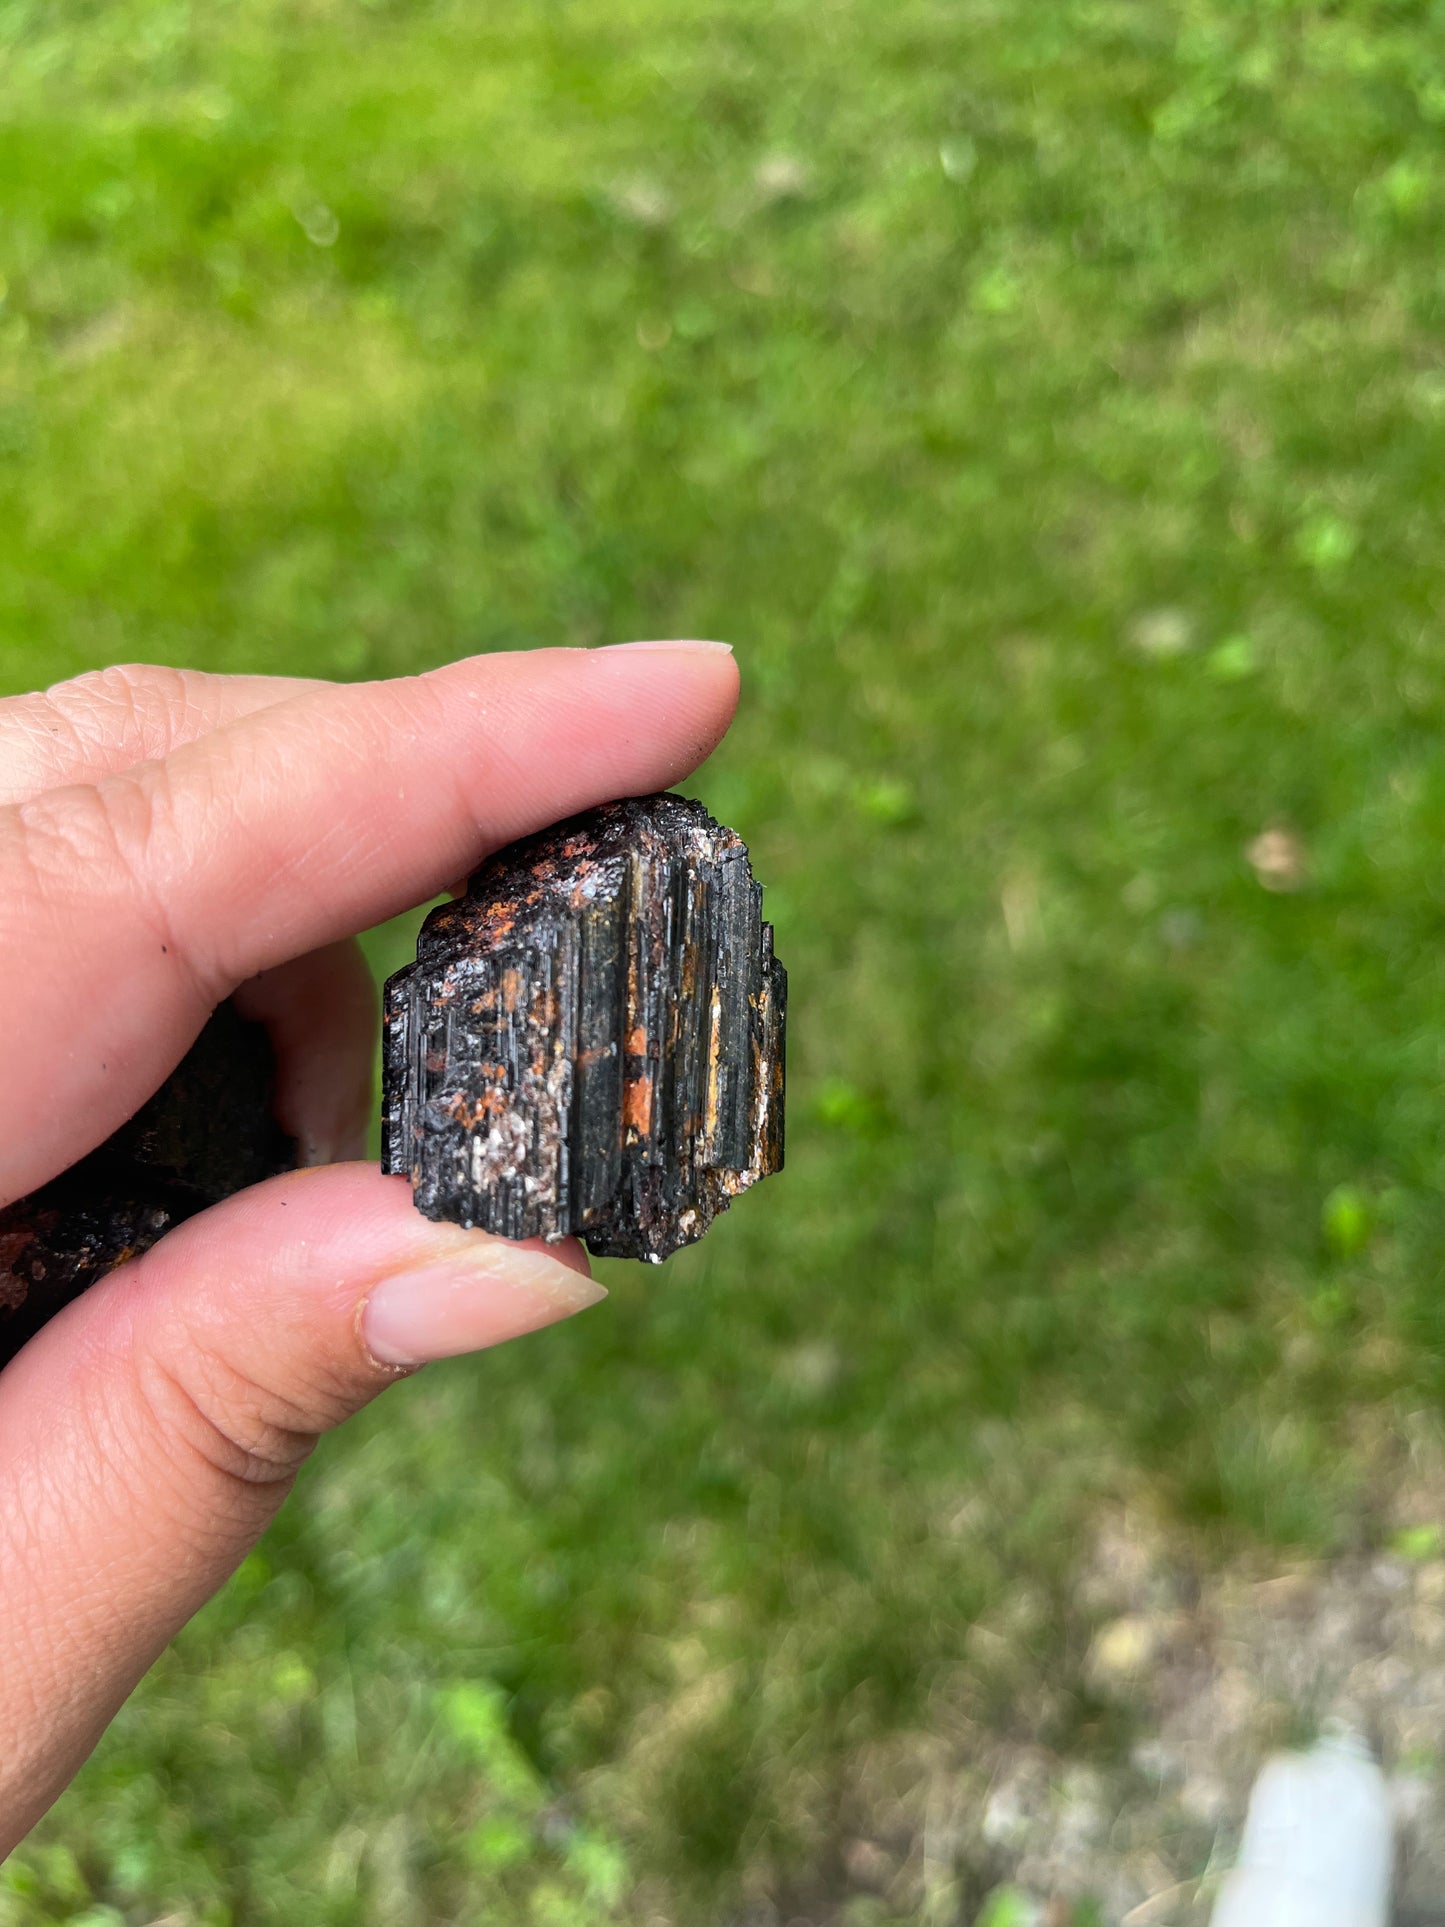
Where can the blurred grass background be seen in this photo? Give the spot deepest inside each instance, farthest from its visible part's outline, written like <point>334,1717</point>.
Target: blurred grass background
<point>1049,402</point>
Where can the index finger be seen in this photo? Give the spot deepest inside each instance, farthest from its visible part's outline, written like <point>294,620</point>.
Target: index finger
<point>130,907</point>
<point>94,724</point>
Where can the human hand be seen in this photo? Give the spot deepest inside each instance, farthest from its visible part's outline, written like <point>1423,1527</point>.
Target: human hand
<point>167,839</point>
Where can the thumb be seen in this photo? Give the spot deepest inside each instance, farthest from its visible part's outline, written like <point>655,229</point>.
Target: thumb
<point>150,1431</point>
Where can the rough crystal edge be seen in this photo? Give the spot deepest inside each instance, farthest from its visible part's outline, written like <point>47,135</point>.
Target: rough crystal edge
<point>630,1226</point>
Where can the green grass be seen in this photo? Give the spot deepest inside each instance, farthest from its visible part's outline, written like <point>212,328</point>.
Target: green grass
<point>1048,400</point>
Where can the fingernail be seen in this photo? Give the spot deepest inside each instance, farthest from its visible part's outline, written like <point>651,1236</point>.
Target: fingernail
<point>497,1293</point>
<point>717,648</point>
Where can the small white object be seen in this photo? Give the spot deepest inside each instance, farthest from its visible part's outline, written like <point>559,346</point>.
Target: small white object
<point>1317,1847</point>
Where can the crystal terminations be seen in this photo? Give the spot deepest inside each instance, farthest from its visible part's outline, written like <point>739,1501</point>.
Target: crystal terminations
<point>591,1040</point>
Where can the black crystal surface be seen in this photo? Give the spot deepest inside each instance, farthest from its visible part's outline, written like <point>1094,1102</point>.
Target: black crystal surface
<point>590,1042</point>
<point>207,1132</point>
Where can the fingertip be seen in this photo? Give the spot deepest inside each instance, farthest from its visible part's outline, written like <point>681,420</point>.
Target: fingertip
<point>322,1277</point>
<point>684,670</point>
<point>615,721</point>
<point>471,1299</point>
<point>688,645</point>
<point>691,686</point>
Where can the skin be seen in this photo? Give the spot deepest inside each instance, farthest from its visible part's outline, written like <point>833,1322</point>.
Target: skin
<point>168,839</point>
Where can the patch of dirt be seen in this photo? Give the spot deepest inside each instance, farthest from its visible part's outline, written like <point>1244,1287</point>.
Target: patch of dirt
<point>1196,1678</point>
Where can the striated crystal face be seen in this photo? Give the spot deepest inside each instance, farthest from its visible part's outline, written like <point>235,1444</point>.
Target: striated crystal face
<point>591,1040</point>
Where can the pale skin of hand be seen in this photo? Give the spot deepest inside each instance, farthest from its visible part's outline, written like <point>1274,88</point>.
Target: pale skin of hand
<point>168,839</point>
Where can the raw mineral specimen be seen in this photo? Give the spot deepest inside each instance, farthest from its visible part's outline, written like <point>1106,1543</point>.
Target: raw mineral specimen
<point>207,1132</point>
<point>591,1040</point>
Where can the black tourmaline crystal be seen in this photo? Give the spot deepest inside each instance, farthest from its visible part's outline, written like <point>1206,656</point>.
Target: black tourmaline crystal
<point>207,1132</point>
<point>591,1040</point>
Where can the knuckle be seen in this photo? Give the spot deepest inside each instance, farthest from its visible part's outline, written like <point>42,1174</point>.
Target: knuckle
<point>240,1429</point>
<point>111,840</point>
<point>103,720</point>
<point>127,707</point>
<point>250,1408</point>
<point>130,711</point>
<point>79,836</point>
